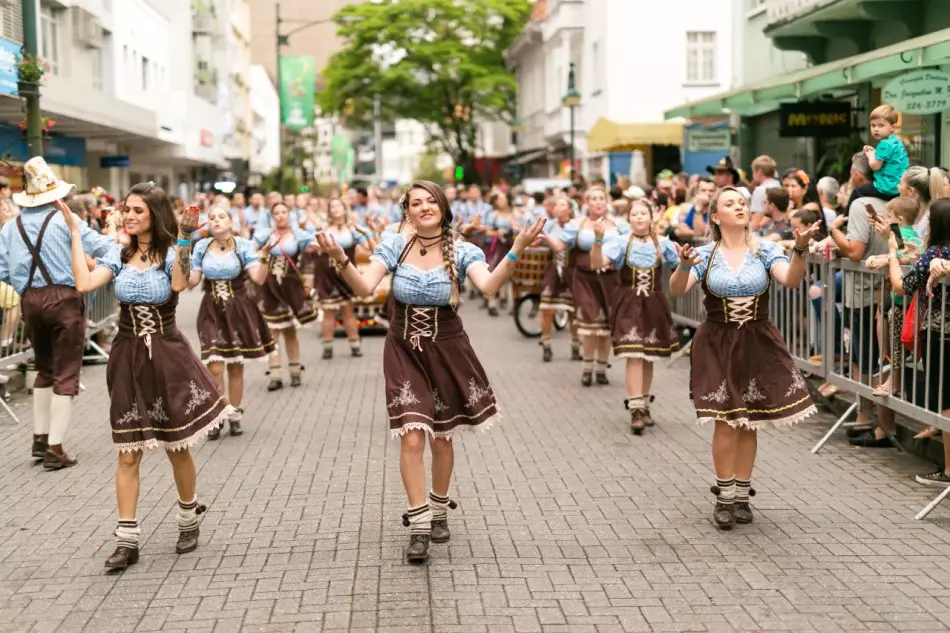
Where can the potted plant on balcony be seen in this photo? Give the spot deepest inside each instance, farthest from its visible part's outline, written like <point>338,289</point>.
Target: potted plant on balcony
<point>29,73</point>
<point>46,124</point>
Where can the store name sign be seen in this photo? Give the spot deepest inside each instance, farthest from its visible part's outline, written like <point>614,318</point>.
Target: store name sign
<point>705,140</point>
<point>918,92</point>
<point>819,119</point>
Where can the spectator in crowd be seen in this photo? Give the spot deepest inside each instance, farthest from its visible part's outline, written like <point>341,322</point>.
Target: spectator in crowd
<point>923,185</point>
<point>254,211</point>
<point>888,160</point>
<point>724,173</point>
<point>694,224</point>
<point>763,179</point>
<point>778,227</point>
<point>828,196</point>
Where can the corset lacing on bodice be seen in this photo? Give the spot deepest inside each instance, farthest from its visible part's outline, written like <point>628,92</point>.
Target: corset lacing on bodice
<point>740,310</point>
<point>221,289</point>
<point>278,266</point>
<point>423,322</point>
<point>146,321</point>
<point>643,281</point>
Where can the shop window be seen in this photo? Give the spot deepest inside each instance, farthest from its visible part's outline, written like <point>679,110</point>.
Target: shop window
<point>701,57</point>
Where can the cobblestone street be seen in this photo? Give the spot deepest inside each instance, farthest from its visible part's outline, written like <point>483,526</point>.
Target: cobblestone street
<point>566,522</point>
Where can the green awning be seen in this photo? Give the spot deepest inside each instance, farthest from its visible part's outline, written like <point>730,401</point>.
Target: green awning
<point>921,52</point>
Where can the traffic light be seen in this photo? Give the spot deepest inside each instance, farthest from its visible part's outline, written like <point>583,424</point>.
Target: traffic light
<point>460,173</point>
<point>304,189</point>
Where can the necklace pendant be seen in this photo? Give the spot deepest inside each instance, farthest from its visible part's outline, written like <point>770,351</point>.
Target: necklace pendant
<point>423,251</point>
<point>144,257</point>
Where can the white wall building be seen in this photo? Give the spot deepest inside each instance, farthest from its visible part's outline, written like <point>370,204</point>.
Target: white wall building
<point>403,153</point>
<point>632,61</point>
<point>265,124</point>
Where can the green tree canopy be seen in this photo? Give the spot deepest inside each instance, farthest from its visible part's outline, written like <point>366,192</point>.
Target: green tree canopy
<point>439,62</point>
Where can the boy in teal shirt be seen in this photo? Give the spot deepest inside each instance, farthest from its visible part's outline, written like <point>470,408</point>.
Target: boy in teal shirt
<point>888,160</point>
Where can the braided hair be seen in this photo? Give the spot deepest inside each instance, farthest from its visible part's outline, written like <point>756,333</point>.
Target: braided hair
<point>448,235</point>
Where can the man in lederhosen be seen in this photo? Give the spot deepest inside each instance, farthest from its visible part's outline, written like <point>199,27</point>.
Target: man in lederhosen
<point>35,260</point>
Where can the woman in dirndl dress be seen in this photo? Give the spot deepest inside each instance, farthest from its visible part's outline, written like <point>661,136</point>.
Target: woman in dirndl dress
<point>641,322</point>
<point>231,329</point>
<point>556,284</point>
<point>593,288</point>
<point>435,384</point>
<point>335,296</point>
<point>742,377</point>
<point>285,294</point>
<point>161,395</point>
<point>500,228</point>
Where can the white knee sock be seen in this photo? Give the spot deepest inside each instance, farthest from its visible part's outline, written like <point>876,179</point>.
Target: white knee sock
<point>187,515</point>
<point>439,505</point>
<point>61,411</point>
<point>128,534</point>
<point>420,519</point>
<point>42,400</point>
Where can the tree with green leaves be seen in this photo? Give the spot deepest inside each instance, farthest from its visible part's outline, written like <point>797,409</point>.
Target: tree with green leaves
<point>439,62</point>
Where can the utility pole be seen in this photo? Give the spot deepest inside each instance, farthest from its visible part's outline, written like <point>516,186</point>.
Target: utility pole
<point>34,123</point>
<point>280,105</point>
<point>378,137</point>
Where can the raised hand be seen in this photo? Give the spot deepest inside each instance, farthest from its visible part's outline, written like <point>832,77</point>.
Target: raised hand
<point>803,237</point>
<point>600,227</point>
<point>328,245</point>
<point>189,221</point>
<point>72,222</point>
<point>689,256</point>
<point>527,236</point>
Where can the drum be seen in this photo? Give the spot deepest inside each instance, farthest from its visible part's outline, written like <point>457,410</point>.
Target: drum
<point>531,266</point>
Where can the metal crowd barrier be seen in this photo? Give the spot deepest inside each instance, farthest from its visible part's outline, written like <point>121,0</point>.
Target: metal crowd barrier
<point>836,328</point>
<point>102,319</point>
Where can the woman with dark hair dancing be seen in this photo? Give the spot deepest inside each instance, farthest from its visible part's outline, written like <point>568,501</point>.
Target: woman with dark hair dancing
<point>742,377</point>
<point>230,327</point>
<point>285,294</point>
<point>161,395</point>
<point>641,322</point>
<point>435,384</point>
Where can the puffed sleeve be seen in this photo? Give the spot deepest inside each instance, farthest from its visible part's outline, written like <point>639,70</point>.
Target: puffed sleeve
<point>170,261</point>
<point>358,237</point>
<point>615,249</point>
<point>771,253</point>
<point>304,239</point>
<point>699,270</point>
<point>201,248</point>
<point>668,254</point>
<point>567,234</point>
<point>247,253</point>
<point>261,236</point>
<point>112,259</point>
<point>623,227</point>
<point>467,255</point>
<point>388,251</point>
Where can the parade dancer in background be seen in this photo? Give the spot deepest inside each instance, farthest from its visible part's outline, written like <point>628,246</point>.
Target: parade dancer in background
<point>742,377</point>
<point>285,294</point>
<point>230,327</point>
<point>335,296</point>
<point>593,288</point>
<point>161,395</point>
<point>556,284</point>
<point>435,384</point>
<point>34,260</point>
<point>640,320</point>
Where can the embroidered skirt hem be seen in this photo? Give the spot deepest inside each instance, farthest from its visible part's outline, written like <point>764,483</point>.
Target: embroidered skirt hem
<point>593,298</point>
<point>232,329</point>
<point>284,303</point>
<point>642,326</point>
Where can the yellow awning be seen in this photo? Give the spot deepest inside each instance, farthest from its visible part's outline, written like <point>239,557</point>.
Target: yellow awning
<point>610,136</point>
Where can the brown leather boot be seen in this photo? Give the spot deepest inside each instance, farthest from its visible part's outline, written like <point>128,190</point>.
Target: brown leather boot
<point>55,458</point>
<point>417,552</point>
<point>647,418</point>
<point>40,444</point>
<point>122,557</point>
<point>187,541</point>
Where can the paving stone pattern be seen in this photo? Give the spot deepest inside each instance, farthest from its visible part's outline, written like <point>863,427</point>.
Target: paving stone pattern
<point>566,521</point>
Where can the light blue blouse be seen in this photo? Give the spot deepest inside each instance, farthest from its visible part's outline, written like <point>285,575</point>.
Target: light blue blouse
<point>415,286</point>
<point>749,280</point>
<point>584,240</point>
<point>302,240</point>
<point>349,238</point>
<point>214,265</point>
<point>642,254</point>
<point>152,285</point>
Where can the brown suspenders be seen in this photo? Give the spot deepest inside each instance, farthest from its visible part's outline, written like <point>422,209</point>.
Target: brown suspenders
<point>35,250</point>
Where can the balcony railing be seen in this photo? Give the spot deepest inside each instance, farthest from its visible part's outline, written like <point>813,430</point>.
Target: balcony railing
<point>779,11</point>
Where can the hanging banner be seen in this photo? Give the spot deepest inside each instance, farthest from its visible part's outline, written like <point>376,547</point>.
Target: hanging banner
<point>297,91</point>
<point>918,92</point>
<point>816,119</point>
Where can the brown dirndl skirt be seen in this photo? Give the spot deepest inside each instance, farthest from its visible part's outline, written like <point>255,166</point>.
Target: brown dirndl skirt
<point>283,303</point>
<point>161,395</point>
<point>230,326</point>
<point>434,381</point>
<point>332,291</point>
<point>642,326</point>
<point>556,289</point>
<point>745,376</point>
<point>593,299</point>
<point>498,247</point>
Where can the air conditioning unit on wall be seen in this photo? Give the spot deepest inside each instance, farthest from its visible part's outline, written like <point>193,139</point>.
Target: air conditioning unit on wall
<point>86,28</point>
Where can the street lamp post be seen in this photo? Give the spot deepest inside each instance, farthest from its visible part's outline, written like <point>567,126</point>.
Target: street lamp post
<point>571,100</point>
<point>516,127</point>
<point>31,93</point>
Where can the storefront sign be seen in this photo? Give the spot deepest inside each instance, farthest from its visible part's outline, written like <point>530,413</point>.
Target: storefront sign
<point>57,149</point>
<point>107,162</point>
<point>919,92</point>
<point>8,53</point>
<point>297,91</point>
<point>819,119</point>
<point>706,140</point>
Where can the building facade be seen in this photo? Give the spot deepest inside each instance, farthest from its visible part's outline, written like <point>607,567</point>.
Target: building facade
<point>265,125</point>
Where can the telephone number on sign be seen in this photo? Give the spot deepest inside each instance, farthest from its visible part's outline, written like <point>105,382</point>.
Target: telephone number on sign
<point>936,104</point>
